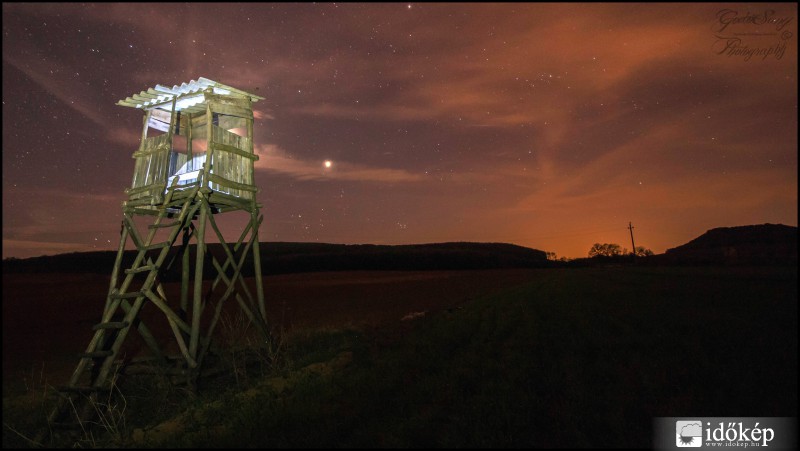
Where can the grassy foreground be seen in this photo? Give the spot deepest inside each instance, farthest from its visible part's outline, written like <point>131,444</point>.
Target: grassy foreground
<point>576,357</point>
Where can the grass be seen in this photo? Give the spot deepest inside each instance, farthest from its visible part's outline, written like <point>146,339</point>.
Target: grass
<point>576,357</point>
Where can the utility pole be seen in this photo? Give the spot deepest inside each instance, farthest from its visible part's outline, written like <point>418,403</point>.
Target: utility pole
<point>630,227</point>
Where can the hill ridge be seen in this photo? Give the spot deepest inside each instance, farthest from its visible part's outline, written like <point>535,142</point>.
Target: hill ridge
<point>287,257</point>
<point>752,244</point>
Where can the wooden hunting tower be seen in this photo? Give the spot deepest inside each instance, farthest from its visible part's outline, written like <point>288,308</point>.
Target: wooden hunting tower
<point>195,160</point>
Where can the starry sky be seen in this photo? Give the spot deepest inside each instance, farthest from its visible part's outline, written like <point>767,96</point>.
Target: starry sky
<point>550,126</point>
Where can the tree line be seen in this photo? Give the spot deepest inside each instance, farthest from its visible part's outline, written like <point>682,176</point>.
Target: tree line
<point>615,250</point>
<point>604,250</point>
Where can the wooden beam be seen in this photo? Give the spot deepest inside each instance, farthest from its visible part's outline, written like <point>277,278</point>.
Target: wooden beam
<point>197,306</point>
<point>213,178</point>
<point>234,150</point>
<point>161,115</point>
<point>219,198</point>
<point>162,305</point>
<point>256,221</point>
<point>232,110</point>
<point>229,88</point>
<point>157,124</point>
<point>194,109</point>
<point>144,189</point>
<point>151,150</point>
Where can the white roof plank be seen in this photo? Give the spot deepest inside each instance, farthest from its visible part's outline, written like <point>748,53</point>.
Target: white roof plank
<point>164,89</point>
<point>160,96</point>
<point>146,95</point>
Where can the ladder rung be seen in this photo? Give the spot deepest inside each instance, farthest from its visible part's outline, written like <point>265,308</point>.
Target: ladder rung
<point>80,389</point>
<point>96,354</point>
<point>131,295</point>
<point>111,325</point>
<point>168,224</point>
<point>141,269</point>
<point>156,246</point>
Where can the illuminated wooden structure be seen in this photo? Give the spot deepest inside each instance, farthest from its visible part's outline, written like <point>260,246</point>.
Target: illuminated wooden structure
<point>195,160</point>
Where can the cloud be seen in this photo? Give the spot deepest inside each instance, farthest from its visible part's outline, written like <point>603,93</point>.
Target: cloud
<point>692,430</point>
<point>258,114</point>
<point>57,80</point>
<point>71,94</point>
<point>128,137</point>
<point>499,77</point>
<point>274,159</point>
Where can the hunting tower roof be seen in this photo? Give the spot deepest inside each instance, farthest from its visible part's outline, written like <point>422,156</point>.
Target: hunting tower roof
<point>190,96</point>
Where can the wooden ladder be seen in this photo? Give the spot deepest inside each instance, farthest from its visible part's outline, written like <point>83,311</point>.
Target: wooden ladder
<point>80,396</point>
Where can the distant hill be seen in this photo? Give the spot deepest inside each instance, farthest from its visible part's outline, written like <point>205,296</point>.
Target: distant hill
<point>767,244</point>
<point>745,245</point>
<point>282,257</point>
<point>297,257</point>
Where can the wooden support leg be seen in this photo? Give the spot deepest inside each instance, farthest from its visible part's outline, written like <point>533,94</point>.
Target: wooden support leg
<point>256,222</point>
<point>185,275</point>
<point>198,280</point>
<point>123,238</point>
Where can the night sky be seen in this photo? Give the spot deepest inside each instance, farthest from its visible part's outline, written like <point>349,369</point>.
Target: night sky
<point>548,126</point>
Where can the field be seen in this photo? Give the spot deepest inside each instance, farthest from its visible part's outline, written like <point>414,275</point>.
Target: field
<point>581,357</point>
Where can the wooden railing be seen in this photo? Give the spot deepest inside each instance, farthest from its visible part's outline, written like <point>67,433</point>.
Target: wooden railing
<point>150,170</point>
<point>232,164</point>
<point>231,170</point>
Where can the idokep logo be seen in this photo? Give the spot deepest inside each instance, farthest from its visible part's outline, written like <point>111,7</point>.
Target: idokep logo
<point>772,433</point>
<point>689,433</point>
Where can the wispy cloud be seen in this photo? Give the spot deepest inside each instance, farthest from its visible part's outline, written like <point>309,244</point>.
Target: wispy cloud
<point>71,94</point>
<point>57,80</point>
<point>272,158</point>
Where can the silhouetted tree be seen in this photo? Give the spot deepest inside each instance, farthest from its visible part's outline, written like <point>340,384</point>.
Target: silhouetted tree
<point>605,250</point>
<point>551,256</point>
<point>641,251</point>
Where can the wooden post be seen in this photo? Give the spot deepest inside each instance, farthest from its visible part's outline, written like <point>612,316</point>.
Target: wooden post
<point>172,118</point>
<point>209,147</point>
<point>189,137</point>
<point>123,238</point>
<point>185,275</point>
<point>198,278</point>
<point>146,124</point>
<point>255,223</point>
